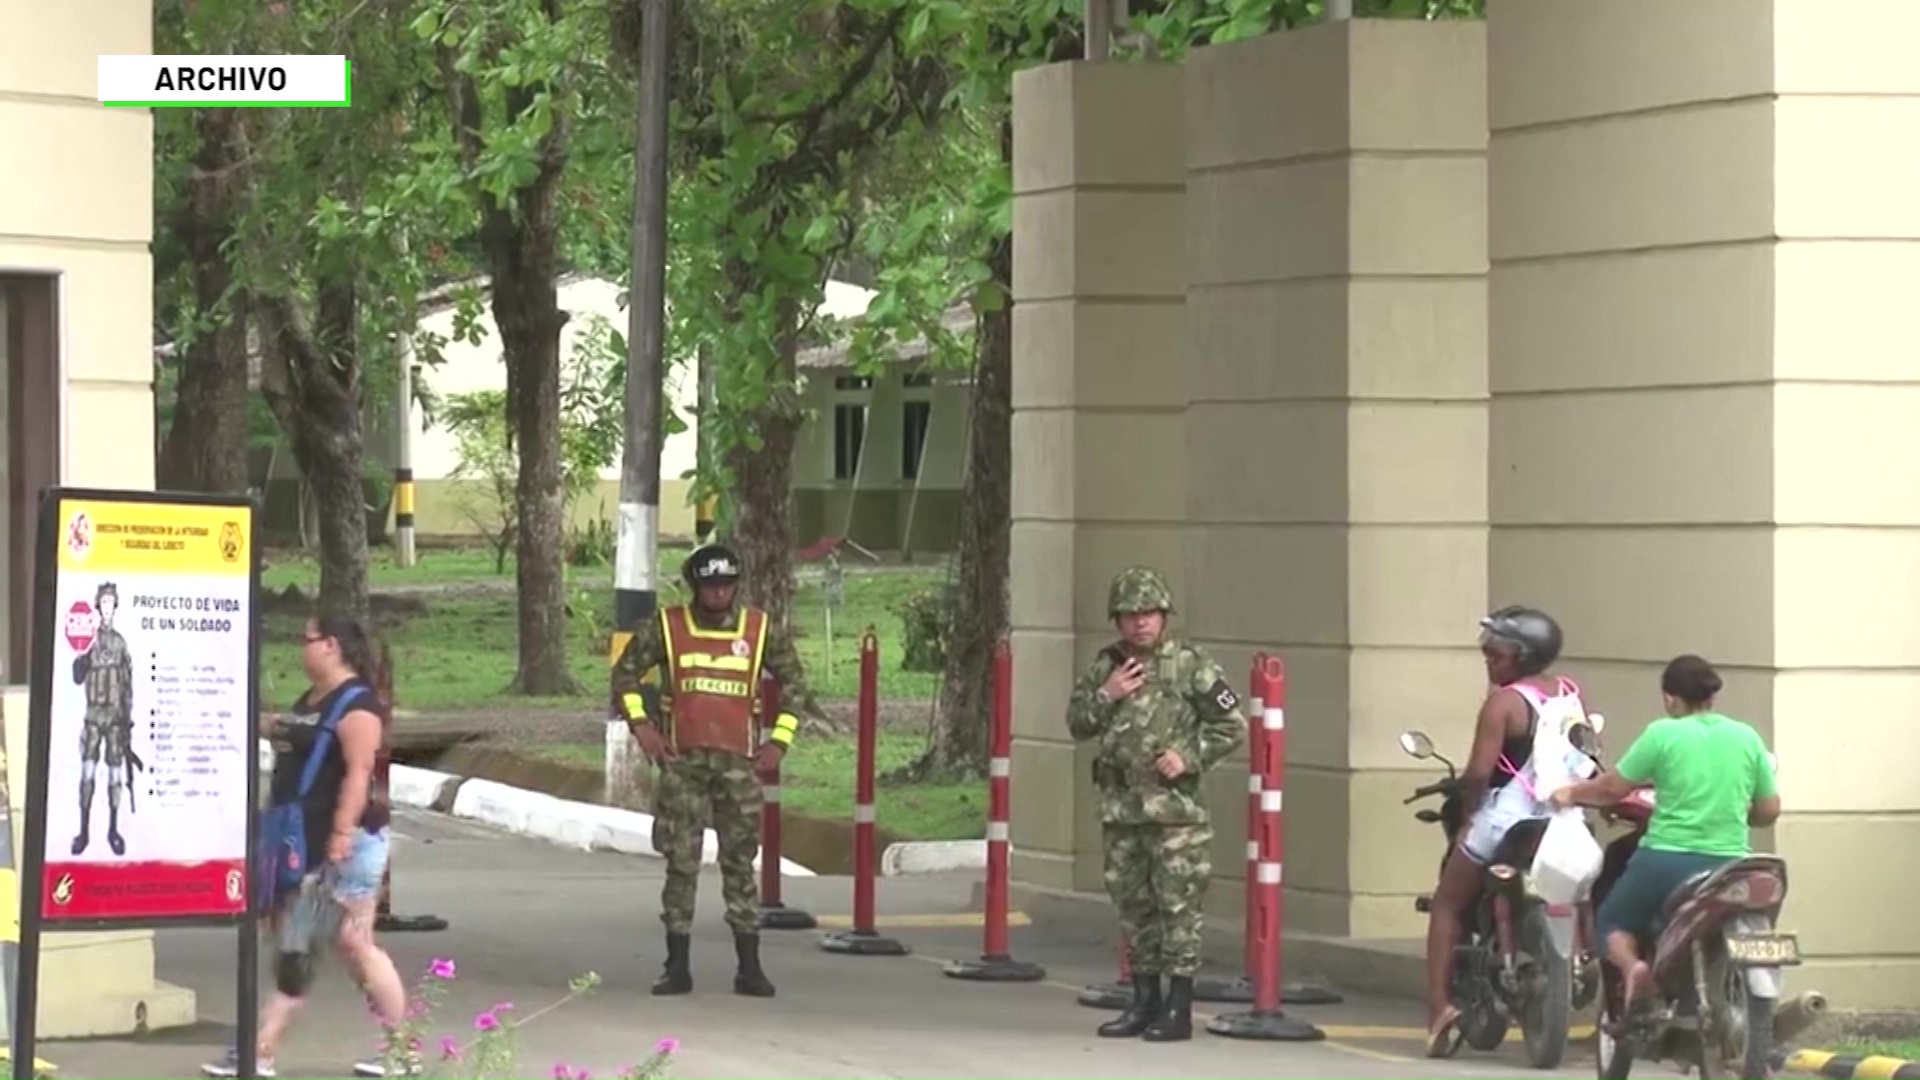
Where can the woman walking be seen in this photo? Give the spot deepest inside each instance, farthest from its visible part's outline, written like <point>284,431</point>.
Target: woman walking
<point>341,718</point>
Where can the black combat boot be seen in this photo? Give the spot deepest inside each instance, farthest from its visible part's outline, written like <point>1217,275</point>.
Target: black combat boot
<point>114,840</point>
<point>84,837</point>
<point>750,980</point>
<point>1176,1023</point>
<point>1144,1010</point>
<point>676,979</point>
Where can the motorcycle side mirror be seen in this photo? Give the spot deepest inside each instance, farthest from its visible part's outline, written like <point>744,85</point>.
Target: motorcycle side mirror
<point>1416,744</point>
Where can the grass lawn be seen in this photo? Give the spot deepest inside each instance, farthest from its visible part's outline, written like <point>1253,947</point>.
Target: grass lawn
<point>1905,1049</point>
<point>817,782</point>
<point>460,653</point>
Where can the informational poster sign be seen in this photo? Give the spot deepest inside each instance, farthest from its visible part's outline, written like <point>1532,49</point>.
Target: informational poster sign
<point>150,750</point>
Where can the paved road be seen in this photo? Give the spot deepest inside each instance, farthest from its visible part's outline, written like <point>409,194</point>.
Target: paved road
<point>528,917</point>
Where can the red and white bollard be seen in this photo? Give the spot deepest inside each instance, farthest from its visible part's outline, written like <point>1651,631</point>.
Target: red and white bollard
<point>864,939</point>
<point>996,962</point>
<point>1266,1020</point>
<point>774,913</point>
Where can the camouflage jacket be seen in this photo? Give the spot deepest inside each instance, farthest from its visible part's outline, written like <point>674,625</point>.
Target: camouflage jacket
<point>1185,705</point>
<point>646,652</point>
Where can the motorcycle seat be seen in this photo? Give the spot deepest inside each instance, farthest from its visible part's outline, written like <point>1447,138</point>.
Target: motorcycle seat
<point>1522,839</point>
<point>1705,880</point>
<point>1684,892</point>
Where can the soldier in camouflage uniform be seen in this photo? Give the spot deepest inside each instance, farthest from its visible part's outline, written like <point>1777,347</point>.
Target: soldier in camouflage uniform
<point>707,747</point>
<point>1161,714</point>
<point>106,671</point>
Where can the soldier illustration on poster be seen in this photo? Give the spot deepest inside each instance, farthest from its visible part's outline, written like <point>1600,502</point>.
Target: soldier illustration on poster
<point>105,670</point>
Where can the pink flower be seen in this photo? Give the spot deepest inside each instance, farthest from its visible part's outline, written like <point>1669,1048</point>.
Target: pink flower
<point>666,1046</point>
<point>565,1072</point>
<point>441,968</point>
<point>486,1021</point>
<point>505,1006</point>
<point>448,1048</point>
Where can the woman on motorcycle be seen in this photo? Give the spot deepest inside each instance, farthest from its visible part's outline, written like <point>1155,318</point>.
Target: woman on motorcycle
<point>1518,645</point>
<point>1713,782</point>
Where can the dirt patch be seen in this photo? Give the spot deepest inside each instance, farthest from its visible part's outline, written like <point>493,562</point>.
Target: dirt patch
<point>505,765</point>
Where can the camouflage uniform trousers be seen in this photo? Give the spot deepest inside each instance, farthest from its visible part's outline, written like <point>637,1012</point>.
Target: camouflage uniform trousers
<point>1157,876</point>
<point>697,787</point>
<point>103,736</point>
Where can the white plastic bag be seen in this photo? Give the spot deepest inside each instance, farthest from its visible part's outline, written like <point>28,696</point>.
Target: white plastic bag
<point>1568,858</point>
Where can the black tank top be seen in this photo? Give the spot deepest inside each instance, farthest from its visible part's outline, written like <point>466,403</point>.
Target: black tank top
<point>293,739</point>
<point>1516,749</point>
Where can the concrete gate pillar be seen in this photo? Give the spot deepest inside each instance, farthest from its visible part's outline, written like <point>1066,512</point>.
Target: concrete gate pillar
<point>1704,380</point>
<point>1099,477</point>
<point>1336,428</point>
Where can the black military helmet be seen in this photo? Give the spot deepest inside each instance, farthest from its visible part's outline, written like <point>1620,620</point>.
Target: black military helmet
<point>711,564</point>
<point>1530,630</point>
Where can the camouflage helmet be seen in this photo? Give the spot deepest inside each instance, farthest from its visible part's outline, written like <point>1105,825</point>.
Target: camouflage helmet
<point>1137,589</point>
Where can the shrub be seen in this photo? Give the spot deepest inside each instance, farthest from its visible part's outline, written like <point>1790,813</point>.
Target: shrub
<point>926,620</point>
<point>489,1052</point>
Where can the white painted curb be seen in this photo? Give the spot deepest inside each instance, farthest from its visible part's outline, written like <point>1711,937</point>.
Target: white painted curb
<point>578,825</point>
<point>933,857</point>
<point>420,788</point>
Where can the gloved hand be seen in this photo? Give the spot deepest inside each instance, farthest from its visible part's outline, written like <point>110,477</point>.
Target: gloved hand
<point>652,743</point>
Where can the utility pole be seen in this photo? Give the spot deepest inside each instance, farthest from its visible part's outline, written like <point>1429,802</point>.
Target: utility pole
<point>636,547</point>
<point>403,550</point>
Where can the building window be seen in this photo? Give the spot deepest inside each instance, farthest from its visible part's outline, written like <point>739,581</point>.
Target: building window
<point>918,380</point>
<point>29,449</point>
<point>914,417</point>
<point>849,435</point>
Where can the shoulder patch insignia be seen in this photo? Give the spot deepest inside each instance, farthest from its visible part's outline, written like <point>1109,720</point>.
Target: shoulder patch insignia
<point>1223,695</point>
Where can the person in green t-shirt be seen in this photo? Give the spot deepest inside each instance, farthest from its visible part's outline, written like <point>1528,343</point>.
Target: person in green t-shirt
<point>1713,782</point>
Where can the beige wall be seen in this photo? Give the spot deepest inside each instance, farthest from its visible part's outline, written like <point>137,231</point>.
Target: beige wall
<point>1099,434</point>
<point>1704,390</point>
<point>1594,305</point>
<point>1336,424</point>
<point>76,200</point>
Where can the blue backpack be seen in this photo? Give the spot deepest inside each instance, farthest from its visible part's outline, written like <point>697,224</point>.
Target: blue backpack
<point>281,864</point>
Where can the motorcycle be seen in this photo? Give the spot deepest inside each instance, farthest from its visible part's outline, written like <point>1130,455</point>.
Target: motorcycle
<point>1717,958</point>
<point>1519,956</point>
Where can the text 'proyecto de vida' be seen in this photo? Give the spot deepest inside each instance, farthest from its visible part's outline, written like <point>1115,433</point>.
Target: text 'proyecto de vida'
<point>198,612</point>
<point>139,536</point>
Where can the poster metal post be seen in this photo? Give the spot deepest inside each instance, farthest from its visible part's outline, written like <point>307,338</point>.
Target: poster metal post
<point>183,574</point>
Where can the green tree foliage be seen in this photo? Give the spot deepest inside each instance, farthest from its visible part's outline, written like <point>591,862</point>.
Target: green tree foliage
<point>531,154</point>
<point>787,114</point>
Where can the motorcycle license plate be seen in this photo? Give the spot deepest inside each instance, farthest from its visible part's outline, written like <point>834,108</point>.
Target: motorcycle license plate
<point>1763,950</point>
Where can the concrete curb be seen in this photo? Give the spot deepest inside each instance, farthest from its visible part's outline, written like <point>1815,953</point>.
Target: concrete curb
<point>578,825</point>
<point>932,857</point>
<point>1826,1063</point>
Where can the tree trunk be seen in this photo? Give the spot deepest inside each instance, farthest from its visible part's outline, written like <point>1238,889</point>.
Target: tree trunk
<point>961,724</point>
<point>521,240</point>
<point>311,379</point>
<point>206,445</point>
<point>761,532</point>
<point>523,259</point>
<point>529,316</point>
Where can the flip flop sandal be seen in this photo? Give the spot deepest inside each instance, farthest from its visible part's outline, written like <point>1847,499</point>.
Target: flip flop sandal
<point>1444,1041</point>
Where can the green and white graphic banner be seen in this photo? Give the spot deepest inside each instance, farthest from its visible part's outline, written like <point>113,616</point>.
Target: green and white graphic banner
<point>261,82</point>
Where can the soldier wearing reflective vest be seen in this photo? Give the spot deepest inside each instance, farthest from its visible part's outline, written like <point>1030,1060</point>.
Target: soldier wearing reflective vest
<point>707,746</point>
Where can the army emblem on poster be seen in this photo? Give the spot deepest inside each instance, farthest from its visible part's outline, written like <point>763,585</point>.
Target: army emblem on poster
<point>230,541</point>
